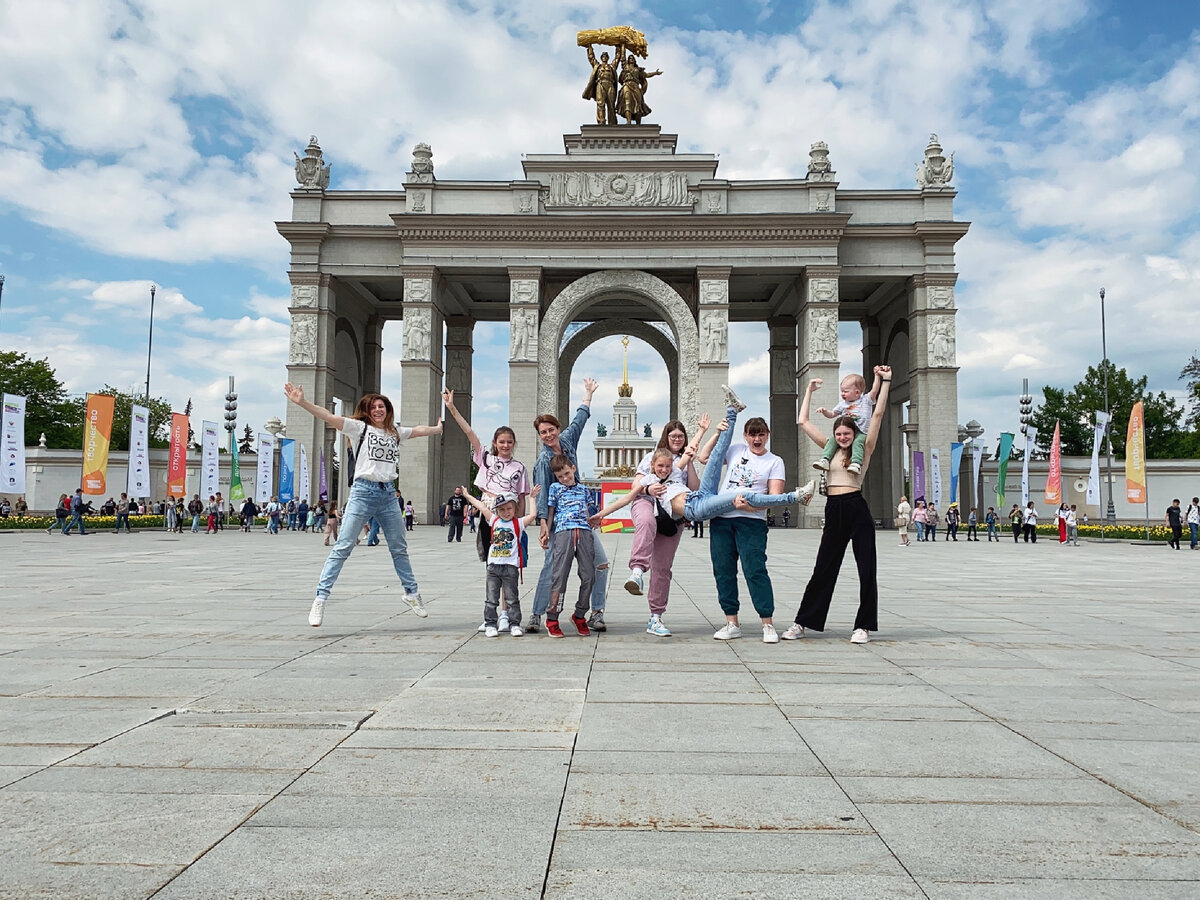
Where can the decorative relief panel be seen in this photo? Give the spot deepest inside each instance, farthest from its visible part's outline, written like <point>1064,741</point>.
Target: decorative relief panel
<point>417,290</point>
<point>714,291</point>
<point>941,296</point>
<point>714,203</point>
<point>458,370</point>
<point>302,350</point>
<point>714,336</point>
<point>523,340</point>
<point>619,189</point>
<point>783,371</point>
<point>304,295</point>
<point>416,334</point>
<point>822,290</point>
<point>822,335</point>
<point>941,341</point>
<point>522,291</point>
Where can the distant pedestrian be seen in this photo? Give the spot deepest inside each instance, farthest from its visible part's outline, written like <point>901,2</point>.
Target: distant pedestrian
<point>1073,526</point>
<point>1029,521</point>
<point>973,526</point>
<point>456,511</point>
<point>1174,519</point>
<point>903,514</point>
<point>1060,517</point>
<point>122,514</point>
<point>62,512</point>
<point>1015,519</point>
<point>332,524</point>
<point>931,523</point>
<point>78,507</point>
<point>1193,521</point>
<point>410,514</point>
<point>920,516</point>
<point>990,519</point>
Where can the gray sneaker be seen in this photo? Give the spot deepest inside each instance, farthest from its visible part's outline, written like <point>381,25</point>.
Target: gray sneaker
<point>534,625</point>
<point>596,621</point>
<point>731,399</point>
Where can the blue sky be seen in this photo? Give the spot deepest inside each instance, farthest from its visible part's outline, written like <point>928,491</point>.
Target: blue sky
<point>152,142</point>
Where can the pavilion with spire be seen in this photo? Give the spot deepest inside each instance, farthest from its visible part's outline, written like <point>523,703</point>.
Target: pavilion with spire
<point>620,450</point>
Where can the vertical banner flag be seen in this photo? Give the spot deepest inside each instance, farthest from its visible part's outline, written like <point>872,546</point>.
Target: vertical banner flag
<point>1030,437</point>
<point>12,444</point>
<point>323,488</point>
<point>1135,456</point>
<point>976,463</point>
<point>97,433</point>
<point>918,485</point>
<point>177,457</point>
<point>302,478</point>
<point>935,477</point>
<point>1093,488</point>
<point>1054,479</point>
<point>956,451</point>
<point>266,469</point>
<point>1002,454</point>
<point>287,470</point>
<point>137,484</point>
<point>237,493</point>
<point>210,471</point>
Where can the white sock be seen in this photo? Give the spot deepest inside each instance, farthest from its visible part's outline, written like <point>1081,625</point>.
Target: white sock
<point>636,572</point>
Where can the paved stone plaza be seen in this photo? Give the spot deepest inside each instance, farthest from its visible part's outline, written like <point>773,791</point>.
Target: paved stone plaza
<point>1026,724</point>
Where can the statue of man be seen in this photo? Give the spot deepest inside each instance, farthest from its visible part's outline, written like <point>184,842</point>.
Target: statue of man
<point>602,86</point>
<point>631,101</point>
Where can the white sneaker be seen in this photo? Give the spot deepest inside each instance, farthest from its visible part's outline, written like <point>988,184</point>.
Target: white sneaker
<point>854,467</point>
<point>770,635</point>
<point>793,633</point>
<point>731,399</point>
<point>860,636</point>
<point>822,464</point>
<point>728,632</point>
<point>491,631</point>
<point>804,494</point>
<point>502,624</point>
<point>414,600</point>
<point>635,583</point>
<point>516,631</point>
<point>316,615</point>
<point>656,627</point>
<point>482,627</point>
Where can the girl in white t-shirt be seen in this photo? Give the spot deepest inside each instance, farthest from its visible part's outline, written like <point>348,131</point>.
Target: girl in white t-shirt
<point>499,473</point>
<point>372,432</point>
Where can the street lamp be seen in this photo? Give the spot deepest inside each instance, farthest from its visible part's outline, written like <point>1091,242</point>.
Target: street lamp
<point>1112,510</point>
<point>1,287</point>
<point>231,414</point>
<point>150,343</point>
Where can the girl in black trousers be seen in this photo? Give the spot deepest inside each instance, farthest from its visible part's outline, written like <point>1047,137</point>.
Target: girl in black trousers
<point>848,520</point>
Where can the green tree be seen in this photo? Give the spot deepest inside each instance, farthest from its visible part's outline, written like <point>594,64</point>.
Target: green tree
<point>48,410</point>
<point>123,403</point>
<point>1075,410</point>
<point>1192,373</point>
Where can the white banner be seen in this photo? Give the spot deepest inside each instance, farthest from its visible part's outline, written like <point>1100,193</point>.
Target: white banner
<point>935,475</point>
<point>137,483</point>
<point>12,444</point>
<point>302,478</point>
<point>976,462</point>
<point>265,479</point>
<point>210,471</point>
<point>1093,488</point>
<point>1030,437</point>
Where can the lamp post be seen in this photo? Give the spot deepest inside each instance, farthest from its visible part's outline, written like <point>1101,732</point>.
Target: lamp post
<point>1111,515</point>
<point>150,343</point>
<point>1,287</point>
<point>231,415</point>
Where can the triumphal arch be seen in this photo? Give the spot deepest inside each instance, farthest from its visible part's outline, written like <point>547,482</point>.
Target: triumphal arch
<point>622,233</point>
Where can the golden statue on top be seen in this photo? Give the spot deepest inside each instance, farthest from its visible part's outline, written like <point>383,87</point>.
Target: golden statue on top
<point>618,87</point>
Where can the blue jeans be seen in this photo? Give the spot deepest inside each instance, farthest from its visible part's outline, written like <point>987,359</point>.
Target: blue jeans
<point>121,518</point>
<point>75,517</point>
<point>367,499</point>
<point>195,523</point>
<point>706,503</point>
<point>373,532</point>
<point>1195,529</point>
<point>541,598</point>
<point>920,530</point>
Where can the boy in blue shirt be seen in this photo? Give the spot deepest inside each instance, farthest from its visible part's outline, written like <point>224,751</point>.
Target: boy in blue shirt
<point>567,520</point>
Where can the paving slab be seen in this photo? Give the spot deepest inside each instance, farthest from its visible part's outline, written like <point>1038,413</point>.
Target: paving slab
<point>175,739</point>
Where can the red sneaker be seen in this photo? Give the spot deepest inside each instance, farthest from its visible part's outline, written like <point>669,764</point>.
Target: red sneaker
<point>552,628</point>
<point>581,625</point>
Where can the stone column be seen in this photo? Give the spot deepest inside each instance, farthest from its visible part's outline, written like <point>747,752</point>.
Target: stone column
<point>421,401</point>
<point>524,305</point>
<point>784,431</point>
<point>456,448</point>
<point>713,327</point>
<point>373,354</point>
<point>310,365</point>
<point>934,397</point>
<point>886,469</point>
<point>818,359</point>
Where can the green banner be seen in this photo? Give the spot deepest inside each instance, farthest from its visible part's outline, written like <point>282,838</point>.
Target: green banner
<point>236,492</point>
<point>1005,451</point>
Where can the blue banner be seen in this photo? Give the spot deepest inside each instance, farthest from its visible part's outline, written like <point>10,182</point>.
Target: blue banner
<point>955,464</point>
<point>287,470</point>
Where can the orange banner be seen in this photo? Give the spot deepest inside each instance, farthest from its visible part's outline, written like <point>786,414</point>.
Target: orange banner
<point>1135,456</point>
<point>177,458</point>
<point>1054,480</point>
<point>97,433</point>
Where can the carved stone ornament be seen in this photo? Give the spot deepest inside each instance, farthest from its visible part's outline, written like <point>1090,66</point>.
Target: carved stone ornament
<point>523,338</point>
<point>311,171</point>
<point>304,295</point>
<point>824,201</point>
<point>522,291</point>
<point>422,164</point>
<point>823,290</point>
<point>619,189</point>
<point>941,342</point>
<point>822,336</point>
<point>936,171</point>
<point>783,371</point>
<point>458,371</point>
<point>714,336</point>
<point>714,291</point>
<point>303,348</point>
<point>525,202</point>
<point>418,201</point>
<point>819,168</point>
<point>416,334</point>
<point>715,203</point>
<point>941,296</point>
<point>417,290</point>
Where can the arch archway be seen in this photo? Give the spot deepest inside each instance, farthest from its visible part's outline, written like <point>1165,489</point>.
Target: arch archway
<point>596,287</point>
<point>585,337</point>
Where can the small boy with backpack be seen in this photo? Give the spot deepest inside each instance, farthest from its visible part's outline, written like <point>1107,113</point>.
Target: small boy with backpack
<point>506,556</point>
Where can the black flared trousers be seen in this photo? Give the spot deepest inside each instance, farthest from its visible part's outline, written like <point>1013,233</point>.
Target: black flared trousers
<point>848,520</point>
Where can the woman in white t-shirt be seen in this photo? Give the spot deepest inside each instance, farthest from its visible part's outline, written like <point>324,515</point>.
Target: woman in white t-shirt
<point>372,432</point>
<point>499,473</point>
